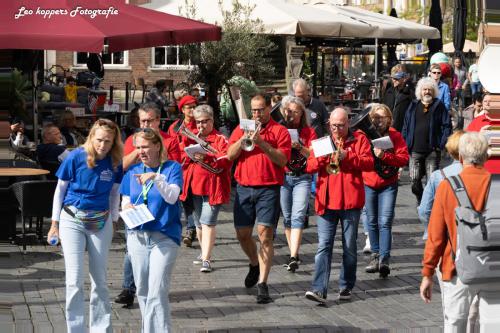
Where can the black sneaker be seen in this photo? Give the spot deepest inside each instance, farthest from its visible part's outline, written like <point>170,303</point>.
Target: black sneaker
<point>252,276</point>
<point>345,294</point>
<point>384,270</point>
<point>263,294</point>
<point>125,297</point>
<point>293,265</point>
<point>316,296</point>
<point>373,266</point>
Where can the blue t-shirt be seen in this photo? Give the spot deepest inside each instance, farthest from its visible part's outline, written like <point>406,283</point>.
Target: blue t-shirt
<point>167,217</point>
<point>88,189</point>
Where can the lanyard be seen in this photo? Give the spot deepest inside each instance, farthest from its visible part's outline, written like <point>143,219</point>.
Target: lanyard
<point>147,187</point>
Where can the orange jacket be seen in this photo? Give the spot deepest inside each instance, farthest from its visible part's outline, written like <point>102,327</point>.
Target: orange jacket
<point>442,221</point>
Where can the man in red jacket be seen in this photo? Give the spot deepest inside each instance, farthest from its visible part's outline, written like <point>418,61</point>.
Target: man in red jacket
<point>481,124</point>
<point>260,174</point>
<point>339,197</point>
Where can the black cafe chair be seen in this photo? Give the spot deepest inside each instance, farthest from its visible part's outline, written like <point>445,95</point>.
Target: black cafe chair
<point>35,200</point>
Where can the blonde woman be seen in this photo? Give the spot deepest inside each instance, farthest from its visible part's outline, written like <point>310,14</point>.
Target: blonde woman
<point>86,201</point>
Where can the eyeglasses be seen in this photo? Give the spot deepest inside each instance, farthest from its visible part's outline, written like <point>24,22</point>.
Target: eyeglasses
<point>436,73</point>
<point>203,122</point>
<point>338,126</point>
<point>261,110</point>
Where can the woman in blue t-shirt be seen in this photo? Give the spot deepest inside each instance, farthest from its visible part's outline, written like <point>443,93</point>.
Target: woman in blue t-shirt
<point>153,244</point>
<point>86,201</point>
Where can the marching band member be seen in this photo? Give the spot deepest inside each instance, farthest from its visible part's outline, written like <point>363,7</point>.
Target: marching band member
<point>186,105</point>
<point>381,191</point>
<point>153,245</point>
<point>296,189</point>
<point>149,117</point>
<point>207,177</point>
<point>259,174</point>
<point>340,197</point>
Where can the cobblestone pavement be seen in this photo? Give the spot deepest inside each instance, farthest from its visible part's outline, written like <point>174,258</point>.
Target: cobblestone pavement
<point>32,287</point>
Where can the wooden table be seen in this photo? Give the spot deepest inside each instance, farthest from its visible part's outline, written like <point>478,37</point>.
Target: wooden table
<point>19,172</point>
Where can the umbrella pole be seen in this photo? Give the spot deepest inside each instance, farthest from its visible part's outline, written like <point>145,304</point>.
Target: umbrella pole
<point>376,59</point>
<point>35,103</point>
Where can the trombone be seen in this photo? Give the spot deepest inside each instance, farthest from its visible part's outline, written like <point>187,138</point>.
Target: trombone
<point>247,143</point>
<point>205,145</point>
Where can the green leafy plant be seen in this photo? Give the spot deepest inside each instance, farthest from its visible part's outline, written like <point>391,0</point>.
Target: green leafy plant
<point>243,42</point>
<point>20,94</point>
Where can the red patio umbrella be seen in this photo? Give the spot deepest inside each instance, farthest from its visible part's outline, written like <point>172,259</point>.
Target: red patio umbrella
<point>86,25</point>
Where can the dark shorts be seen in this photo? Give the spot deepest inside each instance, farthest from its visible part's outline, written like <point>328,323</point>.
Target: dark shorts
<point>261,203</point>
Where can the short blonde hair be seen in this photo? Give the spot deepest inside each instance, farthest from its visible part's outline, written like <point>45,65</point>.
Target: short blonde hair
<point>473,148</point>
<point>452,144</point>
<point>152,136</point>
<point>377,107</point>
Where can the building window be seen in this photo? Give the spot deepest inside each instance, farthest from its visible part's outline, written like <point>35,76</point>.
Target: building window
<point>169,56</point>
<point>110,60</point>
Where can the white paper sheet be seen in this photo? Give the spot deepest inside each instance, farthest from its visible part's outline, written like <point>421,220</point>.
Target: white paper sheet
<point>136,216</point>
<point>322,146</point>
<point>383,143</point>
<point>247,124</point>
<point>193,149</point>
<point>294,134</point>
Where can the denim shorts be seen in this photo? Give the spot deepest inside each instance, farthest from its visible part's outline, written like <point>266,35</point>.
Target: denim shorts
<point>203,212</point>
<point>261,203</point>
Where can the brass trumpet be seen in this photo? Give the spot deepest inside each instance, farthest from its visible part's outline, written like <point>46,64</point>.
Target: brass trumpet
<point>333,166</point>
<point>248,144</point>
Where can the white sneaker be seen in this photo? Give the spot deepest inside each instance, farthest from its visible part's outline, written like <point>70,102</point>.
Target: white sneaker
<point>367,249</point>
<point>198,260</point>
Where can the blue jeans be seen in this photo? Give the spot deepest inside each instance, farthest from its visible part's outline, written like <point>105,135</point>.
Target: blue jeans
<point>153,257</point>
<point>128,274</point>
<point>364,220</point>
<point>380,205</point>
<point>75,239</point>
<point>294,200</point>
<point>475,87</point>
<point>327,227</point>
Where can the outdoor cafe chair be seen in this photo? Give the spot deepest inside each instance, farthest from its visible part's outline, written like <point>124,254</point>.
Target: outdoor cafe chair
<point>35,200</point>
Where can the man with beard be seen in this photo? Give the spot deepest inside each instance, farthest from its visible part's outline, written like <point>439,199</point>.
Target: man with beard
<point>426,128</point>
<point>398,96</point>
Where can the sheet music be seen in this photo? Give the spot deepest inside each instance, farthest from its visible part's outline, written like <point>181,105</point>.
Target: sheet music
<point>294,134</point>
<point>247,124</point>
<point>193,149</point>
<point>322,146</point>
<point>383,143</point>
<point>136,216</point>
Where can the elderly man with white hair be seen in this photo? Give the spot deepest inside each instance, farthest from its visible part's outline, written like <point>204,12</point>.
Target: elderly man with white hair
<point>441,244</point>
<point>426,128</point>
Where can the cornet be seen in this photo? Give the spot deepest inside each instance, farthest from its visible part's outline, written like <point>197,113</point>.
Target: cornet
<point>205,145</point>
<point>248,144</point>
<point>333,167</point>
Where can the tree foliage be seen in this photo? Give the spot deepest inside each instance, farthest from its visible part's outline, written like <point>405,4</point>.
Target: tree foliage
<point>243,42</point>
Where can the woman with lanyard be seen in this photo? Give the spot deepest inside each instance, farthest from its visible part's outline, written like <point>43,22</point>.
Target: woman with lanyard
<point>381,192</point>
<point>207,178</point>
<point>153,184</point>
<point>296,189</point>
<point>86,200</point>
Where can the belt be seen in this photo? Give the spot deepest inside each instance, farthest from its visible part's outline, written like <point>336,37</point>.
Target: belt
<point>294,173</point>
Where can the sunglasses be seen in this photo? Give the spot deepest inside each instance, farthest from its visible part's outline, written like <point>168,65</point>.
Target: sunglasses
<point>436,73</point>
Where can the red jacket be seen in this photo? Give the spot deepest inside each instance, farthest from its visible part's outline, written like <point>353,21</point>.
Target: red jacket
<point>219,185</point>
<point>396,157</point>
<point>344,190</point>
<point>493,163</point>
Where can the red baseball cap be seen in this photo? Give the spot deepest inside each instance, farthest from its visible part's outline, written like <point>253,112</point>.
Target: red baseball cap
<point>188,99</point>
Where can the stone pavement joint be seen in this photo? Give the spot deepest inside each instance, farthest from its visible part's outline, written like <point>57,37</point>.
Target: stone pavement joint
<point>32,287</point>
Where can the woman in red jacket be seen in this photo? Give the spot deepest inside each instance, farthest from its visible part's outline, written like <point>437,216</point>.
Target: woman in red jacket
<point>207,179</point>
<point>381,189</point>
